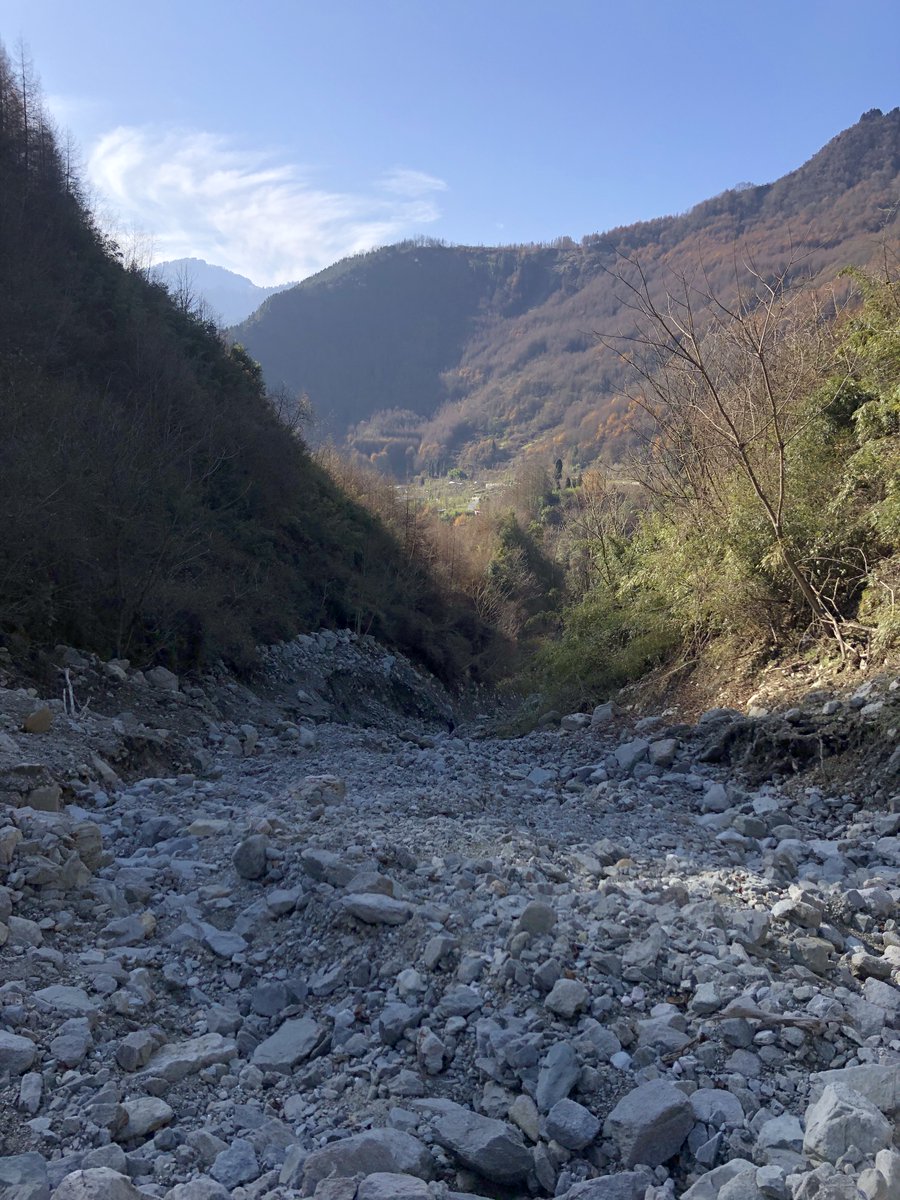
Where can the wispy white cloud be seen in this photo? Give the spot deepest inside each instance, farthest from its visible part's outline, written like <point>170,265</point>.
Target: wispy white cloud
<point>198,194</point>
<point>415,184</point>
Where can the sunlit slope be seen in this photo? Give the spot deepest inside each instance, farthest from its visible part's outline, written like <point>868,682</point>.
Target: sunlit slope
<point>424,355</point>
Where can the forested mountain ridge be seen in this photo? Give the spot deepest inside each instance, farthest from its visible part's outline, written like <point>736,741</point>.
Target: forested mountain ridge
<point>423,355</point>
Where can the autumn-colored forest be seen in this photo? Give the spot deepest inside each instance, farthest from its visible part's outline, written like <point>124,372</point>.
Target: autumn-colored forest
<point>422,356</point>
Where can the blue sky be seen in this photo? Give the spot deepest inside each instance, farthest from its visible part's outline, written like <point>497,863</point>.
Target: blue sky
<point>275,140</point>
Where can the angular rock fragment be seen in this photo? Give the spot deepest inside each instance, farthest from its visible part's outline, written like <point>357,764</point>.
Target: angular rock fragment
<point>144,1115</point>
<point>97,1183</point>
<point>567,998</point>
<point>71,1001</point>
<point>24,1177</point>
<point>715,1106</point>
<point>662,753</point>
<point>383,1185</point>
<point>375,909</point>
<point>650,1123</point>
<point>135,1050</point>
<point>16,1053</point>
<point>537,918</point>
<point>631,753</point>
<point>31,1090</point>
<point>781,1133</point>
<point>602,715</point>
<point>799,912</point>
<point>250,856</point>
<point>572,1125</point>
<point>709,1185</point>
<point>236,1164</point>
<point>558,1074</point>
<point>842,1118</point>
<point>72,1042</point>
<point>293,1042</point>
<point>489,1147</point>
<point>524,1113</point>
<point>624,1185</point>
<point>202,1188</point>
<point>879,1084</point>
<point>177,1060</point>
<point>377,1150</point>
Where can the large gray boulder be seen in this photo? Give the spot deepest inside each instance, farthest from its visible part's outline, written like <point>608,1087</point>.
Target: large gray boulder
<point>781,1133</point>
<point>288,1045</point>
<point>97,1183</point>
<point>662,753</point>
<point>716,1106</point>
<point>70,1001</point>
<point>145,1114</point>
<point>385,1186</point>
<point>376,1150</point>
<point>742,1187</point>
<point>250,856</point>
<point>602,715</point>
<point>842,1118</point>
<point>572,1125</point>
<point>16,1053</point>
<point>176,1060</point>
<point>72,1042</point>
<point>537,918</point>
<point>887,1165</point>
<point>198,1189</point>
<point>631,753</point>
<point>709,1185</point>
<point>236,1164</point>
<point>650,1124</point>
<point>567,998</point>
<point>825,1183</point>
<point>372,908</point>
<point>625,1185</point>
<point>880,1084</point>
<point>491,1148</point>
<point>24,1177</point>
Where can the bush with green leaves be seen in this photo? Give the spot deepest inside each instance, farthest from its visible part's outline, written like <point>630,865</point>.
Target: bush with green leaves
<point>702,559</point>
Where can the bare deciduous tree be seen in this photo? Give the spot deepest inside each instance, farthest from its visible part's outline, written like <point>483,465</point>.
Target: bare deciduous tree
<point>727,383</point>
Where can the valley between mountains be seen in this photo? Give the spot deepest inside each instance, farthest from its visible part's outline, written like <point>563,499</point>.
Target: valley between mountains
<point>327,937</point>
<point>291,904</point>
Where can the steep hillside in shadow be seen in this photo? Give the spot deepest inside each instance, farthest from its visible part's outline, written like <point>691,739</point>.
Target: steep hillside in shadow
<point>424,354</point>
<point>377,329</point>
<point>152,504</point>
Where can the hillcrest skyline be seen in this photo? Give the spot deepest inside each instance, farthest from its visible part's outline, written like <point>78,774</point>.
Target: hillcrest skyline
<point>276,147</point>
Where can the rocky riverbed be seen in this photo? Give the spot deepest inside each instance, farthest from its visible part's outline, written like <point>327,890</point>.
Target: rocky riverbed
<point>314,938</point>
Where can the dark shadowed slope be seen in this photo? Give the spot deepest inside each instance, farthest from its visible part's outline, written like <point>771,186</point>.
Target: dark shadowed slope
<point>151,502</point>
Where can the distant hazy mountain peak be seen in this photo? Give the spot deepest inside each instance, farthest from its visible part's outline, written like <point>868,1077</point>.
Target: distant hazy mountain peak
<point>231,297</point>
